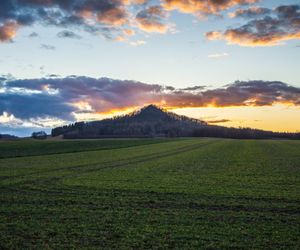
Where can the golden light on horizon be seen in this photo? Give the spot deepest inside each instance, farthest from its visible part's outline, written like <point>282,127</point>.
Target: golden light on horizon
<point>279,117</point>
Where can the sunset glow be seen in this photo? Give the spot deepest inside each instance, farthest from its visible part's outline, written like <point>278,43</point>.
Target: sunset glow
<point>233,63</point>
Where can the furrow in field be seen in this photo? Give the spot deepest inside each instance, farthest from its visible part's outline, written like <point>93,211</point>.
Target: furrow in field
<point>83,169</point>
<point>123,199</point>
<point>32,148</point>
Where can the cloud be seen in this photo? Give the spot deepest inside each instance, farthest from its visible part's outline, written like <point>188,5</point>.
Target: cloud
<point>135,1</point>
<point>129,32</point>
<point>252,12</point>
<point>152,20</point>
<point>114,19</point>
<point>138,43</point>
<point>8,31</point>
<point>194,88</point>
<point>217,121</point>
<point>68,34</point>
<point>60,100</point>
<point>218,55</point>
<point>48,47</point>
<point>120,38</point>
<point>281,25</point>
<point>9,120</point>
<point>33,34</point>
<point>214,35</point>
<point>96,17</point>
<point>204,6</point>
<point>115,16</point>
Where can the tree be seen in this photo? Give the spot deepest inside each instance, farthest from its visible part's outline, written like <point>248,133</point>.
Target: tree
<point>39,135</point>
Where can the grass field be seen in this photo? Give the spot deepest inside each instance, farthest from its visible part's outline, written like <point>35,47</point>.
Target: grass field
<point>159,194</point>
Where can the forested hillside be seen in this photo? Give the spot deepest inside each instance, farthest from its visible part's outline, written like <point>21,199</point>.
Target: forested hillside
<point>152,121</point>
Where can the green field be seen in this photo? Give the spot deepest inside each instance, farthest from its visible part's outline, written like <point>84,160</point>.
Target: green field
<point>158,194</point>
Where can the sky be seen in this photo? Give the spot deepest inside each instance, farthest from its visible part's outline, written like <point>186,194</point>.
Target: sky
<point>228,62</point>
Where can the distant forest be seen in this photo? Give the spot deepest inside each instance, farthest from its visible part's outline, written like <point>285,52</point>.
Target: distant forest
<point>152,121</point>
<point>6,136</point>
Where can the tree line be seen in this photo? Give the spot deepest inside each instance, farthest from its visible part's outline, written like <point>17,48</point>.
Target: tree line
<point>152,121</point>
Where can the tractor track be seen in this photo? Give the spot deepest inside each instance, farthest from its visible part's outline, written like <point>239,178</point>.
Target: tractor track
<point>88,168</point>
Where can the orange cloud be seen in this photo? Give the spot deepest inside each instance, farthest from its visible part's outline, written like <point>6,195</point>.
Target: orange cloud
<point>96,17</point>
<point>128,2</point>
<point>252,40</point>
<point>214,35</point>
<point>64,97</point>
<point>8,31</point>
<point>116,17</point>
<point>266,31</point>
<point>152,27</point>
<point>151,20</point>
<point>248,39</point>
<point>129,32</point>
<point>204,6</point>
<point>120,38</point>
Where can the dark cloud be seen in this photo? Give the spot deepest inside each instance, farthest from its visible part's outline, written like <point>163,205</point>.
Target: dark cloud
<point>194,88</point>
<point>281,25</point>
<point>204,6</point>
<point>218,121</point>
<point>63,13</point>
<point>53,76</point>
<point>254,93</point>
<point>252,12</point>
<point>68,34</point>
<point>170,88</point>
<point>67,93</point>
<point>37,105</point>
<point>107,17</point>
<point>48,47</point>
<point>33,34</point>
<point>63,98</point>
<point>152,20</point>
